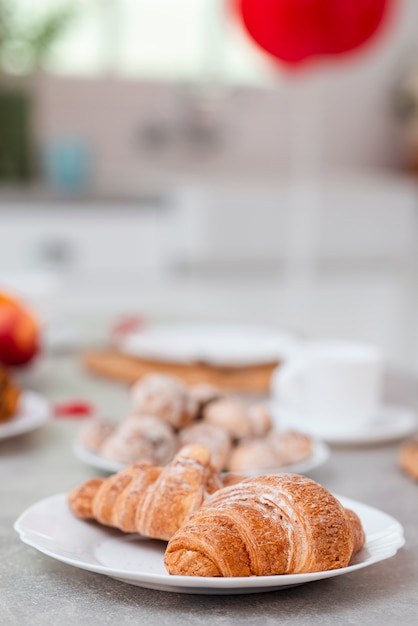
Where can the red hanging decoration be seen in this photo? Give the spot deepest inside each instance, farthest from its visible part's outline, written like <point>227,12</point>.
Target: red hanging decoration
<point>293,31</point>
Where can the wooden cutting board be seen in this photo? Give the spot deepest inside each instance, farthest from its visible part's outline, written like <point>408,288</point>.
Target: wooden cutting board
<point>118,366</point>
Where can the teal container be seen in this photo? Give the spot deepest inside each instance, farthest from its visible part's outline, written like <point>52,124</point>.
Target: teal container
<point>67,164</point>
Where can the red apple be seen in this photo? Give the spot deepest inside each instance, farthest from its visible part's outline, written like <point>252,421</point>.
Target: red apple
<point>19,332</point>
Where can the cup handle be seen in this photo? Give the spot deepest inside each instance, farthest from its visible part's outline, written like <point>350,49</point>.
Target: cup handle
<point>289,383</point>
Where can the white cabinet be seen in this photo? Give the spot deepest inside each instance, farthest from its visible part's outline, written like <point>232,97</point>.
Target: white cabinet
<point>342,220</point>
<point>82,237</point>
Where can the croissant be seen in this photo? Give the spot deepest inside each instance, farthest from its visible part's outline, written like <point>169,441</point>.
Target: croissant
<point>9,395</point>
<point>267,525</point>
<point>148,499</point>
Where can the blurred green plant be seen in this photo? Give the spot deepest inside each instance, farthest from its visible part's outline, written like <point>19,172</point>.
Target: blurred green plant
<point>26,38</point>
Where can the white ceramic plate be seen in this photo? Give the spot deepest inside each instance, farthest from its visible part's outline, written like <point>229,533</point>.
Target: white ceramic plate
<point>96,461</point>
<point>216,344</point>
<point>390,424</point>
<point>319,456</point>
<point>34,411</point>
<point>50,527</point>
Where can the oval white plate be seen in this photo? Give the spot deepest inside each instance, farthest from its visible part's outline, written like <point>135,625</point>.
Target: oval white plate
<point>390,424</point>
<point>34,411</point>
<point>50,527</point>
<point>216,343</point>
<point>319,456</point>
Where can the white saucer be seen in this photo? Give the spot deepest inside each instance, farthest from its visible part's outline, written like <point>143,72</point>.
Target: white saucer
<point>50,527</point>
<point>319,456</point>
<point>34,411</point>
<point>95,460</point>
<point>390,424</point>
<point>214,343</point>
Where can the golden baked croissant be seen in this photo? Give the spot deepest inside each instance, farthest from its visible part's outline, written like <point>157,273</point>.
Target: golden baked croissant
<point>9,395</point>
<point>147,499</point>
<point>267,525</point>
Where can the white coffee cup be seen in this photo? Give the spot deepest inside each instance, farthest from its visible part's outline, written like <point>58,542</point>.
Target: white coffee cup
<point>331,383</point>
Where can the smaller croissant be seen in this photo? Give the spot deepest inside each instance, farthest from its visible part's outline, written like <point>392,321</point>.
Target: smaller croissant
<point>264,526</point>
<point>148,499</point>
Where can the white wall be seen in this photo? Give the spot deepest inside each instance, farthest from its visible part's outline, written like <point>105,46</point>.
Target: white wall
<point>348,103</point>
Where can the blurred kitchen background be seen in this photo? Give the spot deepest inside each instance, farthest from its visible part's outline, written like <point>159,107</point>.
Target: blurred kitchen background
<point>155,161</point>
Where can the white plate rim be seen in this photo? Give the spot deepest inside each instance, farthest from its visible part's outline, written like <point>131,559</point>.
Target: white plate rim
<point>34,411</point>
<point>389,541</point>
<point>319,456</point>
<point>404,425</point>
<point>140,343</point>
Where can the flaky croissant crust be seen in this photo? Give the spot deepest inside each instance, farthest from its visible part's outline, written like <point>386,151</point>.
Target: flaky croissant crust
<point>150,500</point>
<point>267,525</point>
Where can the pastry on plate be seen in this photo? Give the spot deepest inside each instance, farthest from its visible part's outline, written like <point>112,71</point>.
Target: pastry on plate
<point>290,446</point>
<point>166,414</point>
<point>148,499</point>
<point>277,449</point>
<point>202,394</point>
<point>9,395</point>
<point>163,396</point>
<point>216,439</point>
<point>140,438</point>
<point>239,419</point>
<point>263,526</point>
<point>94,432</point>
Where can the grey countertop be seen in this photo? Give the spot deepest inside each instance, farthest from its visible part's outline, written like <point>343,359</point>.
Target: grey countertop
<point>41,195</point>
<point>38,590</point>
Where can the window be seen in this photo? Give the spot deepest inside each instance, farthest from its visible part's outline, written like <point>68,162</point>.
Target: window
<point>188,40</point>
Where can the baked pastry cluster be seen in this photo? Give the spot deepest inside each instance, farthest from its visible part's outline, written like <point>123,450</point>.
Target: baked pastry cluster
<point>408,457</point>
<point>9,395</point>
<point>260,526</point>
<point>167,414</point>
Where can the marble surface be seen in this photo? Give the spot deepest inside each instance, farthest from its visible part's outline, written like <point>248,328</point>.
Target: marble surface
<point>38,590</point>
